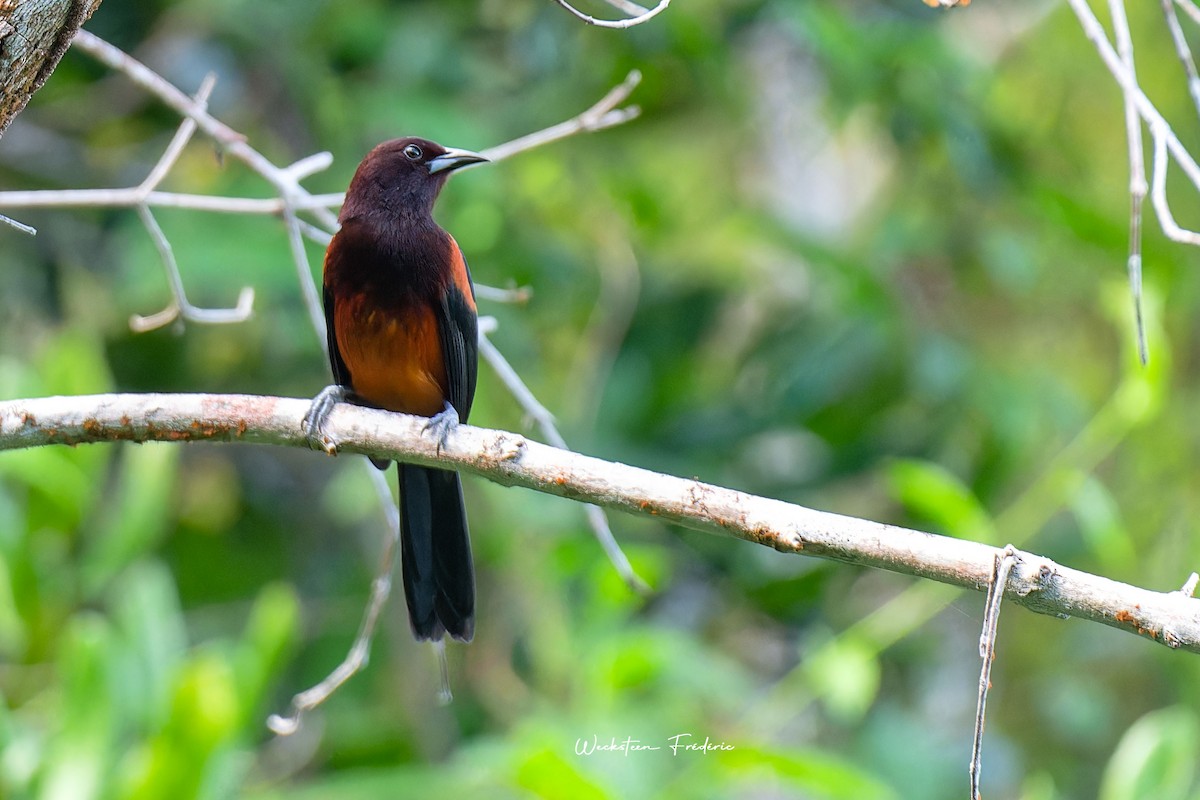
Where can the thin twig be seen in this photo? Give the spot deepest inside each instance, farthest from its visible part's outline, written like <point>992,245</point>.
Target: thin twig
<point>516,295</point>
<point>1189,586</point>
<point>360,650</point>
<point>646,16</point>
<point>1158,194</point>
<point>232,143</point>
<point>1137,176</point>
<point>1002,565</point>
<point>314,233</point>
<point>1128,82</point>
<point>1121,66</point>
<point>1190,9</point>
<point>354,661</point>
<point>603,114</point>
<point>1183,51</point>
<point>533,408</point>
<point>179,141</point>
<point>21,226</point>
<point>179,305</point>
<point>308,286</point>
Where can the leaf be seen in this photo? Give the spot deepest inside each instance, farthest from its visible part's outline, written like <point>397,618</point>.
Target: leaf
<point>550,776</point>
<point>1155,759</point>
<point>933,492</point>
<point>137,518</point>
<point>845,674</point>
<point>818,773</point>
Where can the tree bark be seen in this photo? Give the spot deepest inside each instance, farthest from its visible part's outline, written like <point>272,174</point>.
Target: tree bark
<point>34,34</point>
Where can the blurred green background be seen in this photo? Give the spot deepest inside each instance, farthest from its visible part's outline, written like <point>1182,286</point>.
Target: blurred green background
<point>863,256</point>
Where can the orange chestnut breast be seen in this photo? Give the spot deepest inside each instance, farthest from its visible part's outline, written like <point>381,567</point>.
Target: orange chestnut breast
<point>394,358</point>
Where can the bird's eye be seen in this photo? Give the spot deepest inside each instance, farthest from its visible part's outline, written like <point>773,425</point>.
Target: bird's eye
<point>412,152</point>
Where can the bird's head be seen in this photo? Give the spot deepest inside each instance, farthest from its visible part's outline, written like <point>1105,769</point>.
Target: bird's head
<point>404,176</point>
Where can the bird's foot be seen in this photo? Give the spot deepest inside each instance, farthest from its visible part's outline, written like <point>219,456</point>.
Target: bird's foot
<point>441,424</point>
<point>314,420</point>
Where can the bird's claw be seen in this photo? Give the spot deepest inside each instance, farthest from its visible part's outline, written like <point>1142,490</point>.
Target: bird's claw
<point>441,424</point>
<point>314,421</point>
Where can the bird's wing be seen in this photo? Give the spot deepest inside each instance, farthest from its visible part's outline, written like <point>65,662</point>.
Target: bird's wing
<point>341,375</point>
<point>458,330</point>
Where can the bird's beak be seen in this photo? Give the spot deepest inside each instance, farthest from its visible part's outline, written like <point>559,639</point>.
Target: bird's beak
<point>454,159</point>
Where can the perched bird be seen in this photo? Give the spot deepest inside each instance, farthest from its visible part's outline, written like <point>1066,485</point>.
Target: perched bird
<point>402,328</point>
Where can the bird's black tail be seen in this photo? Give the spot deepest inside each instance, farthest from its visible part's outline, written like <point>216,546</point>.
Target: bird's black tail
<point>435,552</point>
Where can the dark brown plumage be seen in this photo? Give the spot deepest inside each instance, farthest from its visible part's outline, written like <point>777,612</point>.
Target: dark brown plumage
<point>402,333</point>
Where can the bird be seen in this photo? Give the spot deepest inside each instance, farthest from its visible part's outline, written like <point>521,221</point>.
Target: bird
<point>402,334</point>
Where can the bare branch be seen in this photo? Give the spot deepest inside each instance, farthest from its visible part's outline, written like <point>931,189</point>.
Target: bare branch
<point>1137,175</point>
<point>231,142</point>
<point>1158,196</point>
<point>518,295</point>
<point>179,141</point>
<point>308,285</point>
<point>179,306</point>
<point>597,519</point>
<point>1122,68</point>
<point>21,226</point>
<point>1128,83</point>
<point>645,16</point>
<point>603,114</point>
<point>128,198</point>
<point>1168,618</point>
<point>1190,9</point>
<point>1183,51</point>
<point>354,661</point>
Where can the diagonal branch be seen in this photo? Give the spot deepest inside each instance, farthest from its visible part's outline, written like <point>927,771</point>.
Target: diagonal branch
<point>1169,618</point>
<point>604,114</point>
<point>232,143</point>
<point>21,226</point>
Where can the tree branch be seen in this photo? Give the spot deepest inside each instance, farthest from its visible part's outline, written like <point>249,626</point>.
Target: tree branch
<point>1170,618</point>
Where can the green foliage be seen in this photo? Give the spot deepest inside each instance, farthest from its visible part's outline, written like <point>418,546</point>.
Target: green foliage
<point>1156,758</point>
<point>867,257</point>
